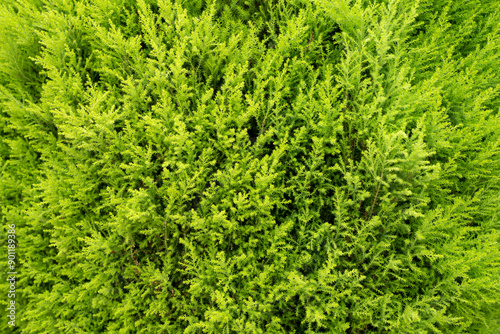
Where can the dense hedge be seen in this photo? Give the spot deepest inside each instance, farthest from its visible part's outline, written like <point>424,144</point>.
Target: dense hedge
<point>251,166</point>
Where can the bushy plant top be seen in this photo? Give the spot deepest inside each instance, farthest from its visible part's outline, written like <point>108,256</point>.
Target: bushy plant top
<point>251,166</point>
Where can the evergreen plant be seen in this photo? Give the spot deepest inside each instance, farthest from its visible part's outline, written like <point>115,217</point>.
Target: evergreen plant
<point>230,166</point>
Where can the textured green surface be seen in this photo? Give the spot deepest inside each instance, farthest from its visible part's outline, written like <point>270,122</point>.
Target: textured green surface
<point>251,166</point>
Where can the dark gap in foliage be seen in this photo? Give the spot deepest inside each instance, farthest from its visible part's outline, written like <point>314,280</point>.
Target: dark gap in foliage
<point>101,186</point>
<point>330,159</point>
<point>93,77</point>
<point>119,126</point>
<point>333,34</point>
<point>253,129</point>
<point>326,213</point>
<point>144,46</point>
<point>270,144</point>
<point>292,309</point>
<point>38,155</point>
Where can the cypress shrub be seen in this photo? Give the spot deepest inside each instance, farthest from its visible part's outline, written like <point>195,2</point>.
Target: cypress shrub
<point>216,166</point>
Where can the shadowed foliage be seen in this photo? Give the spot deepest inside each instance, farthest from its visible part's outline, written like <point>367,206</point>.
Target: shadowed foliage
<point>251,166</point>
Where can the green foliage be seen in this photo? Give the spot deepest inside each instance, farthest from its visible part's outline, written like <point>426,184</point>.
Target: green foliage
<point>251,166</point>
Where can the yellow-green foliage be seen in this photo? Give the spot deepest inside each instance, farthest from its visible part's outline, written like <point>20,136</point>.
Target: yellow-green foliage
<point>303,166</point>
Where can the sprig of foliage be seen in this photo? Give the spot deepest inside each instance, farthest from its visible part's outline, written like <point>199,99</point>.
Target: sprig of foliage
<point>252,166</point>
